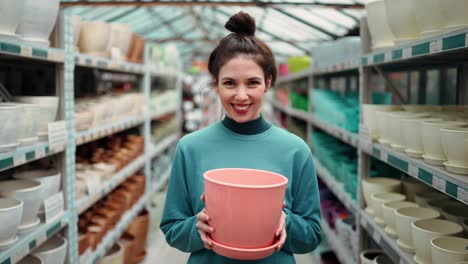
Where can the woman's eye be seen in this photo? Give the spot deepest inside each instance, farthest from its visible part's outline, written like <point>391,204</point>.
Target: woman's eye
<point>254,83</point>
<point>228,83</point>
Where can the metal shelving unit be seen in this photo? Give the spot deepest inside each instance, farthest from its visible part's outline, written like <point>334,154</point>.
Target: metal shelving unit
<point>163,112</point>
<point>24,50</point>
<point>89,61</point>
<point>163,180</point>
<point>336,244</point>
<point>27,154</point>
<point>163,145</point>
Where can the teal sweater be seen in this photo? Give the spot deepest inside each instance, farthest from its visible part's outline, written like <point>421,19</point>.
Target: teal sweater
<point>256,145</point>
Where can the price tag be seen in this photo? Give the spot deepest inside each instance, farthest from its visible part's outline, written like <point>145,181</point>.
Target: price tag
<point>86,257</point>
<point>26,51</point>
<point>435,46</point>
<point>388,56</point>
<point>439,183</point>
<point>413,170</point>
<point>466,39</point>
<point>462,194</point>
<point>19,159</point>
<point>40,153</point>
<point>20,253</point>
<point>54,207</point>
<point>384,156</point>
<point>57,134</point>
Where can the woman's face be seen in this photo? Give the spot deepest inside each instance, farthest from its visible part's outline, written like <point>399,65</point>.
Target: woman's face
<point>241,86</point>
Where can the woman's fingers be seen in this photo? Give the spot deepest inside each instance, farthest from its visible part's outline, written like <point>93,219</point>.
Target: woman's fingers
<point>203,226</point>
<point>202,197</point>
<point>204,229</point>
<point>281,224</point>
<point>282,239</point>
<point>206,241</point>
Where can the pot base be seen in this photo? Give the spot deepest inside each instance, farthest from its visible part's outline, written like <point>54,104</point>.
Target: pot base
<point>418,260</point>
<point>391,232</point>
<point>414,153</point>
<point>43,136</point>
<point>384,142</point>
<point>433,161</point>
<point>404,247</point>
<point>370,211</point>
<point>37,42</point>
<point>455,169</point>
<point>430,33</point>
<point>28,141</point>
<point>9,36</point>
<point>403,41</point>
<point>397,147</point>
<point>8,147</point>
<point>379,221</point>
<point>241,253</point>
<point>453,28</point>
<point>8,243</point>
<point>29,227</point>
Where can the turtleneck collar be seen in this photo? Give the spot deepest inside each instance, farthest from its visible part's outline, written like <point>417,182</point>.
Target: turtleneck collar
<point>253,127</point>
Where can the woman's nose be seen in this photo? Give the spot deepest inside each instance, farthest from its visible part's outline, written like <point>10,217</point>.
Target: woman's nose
<point>241,94</point>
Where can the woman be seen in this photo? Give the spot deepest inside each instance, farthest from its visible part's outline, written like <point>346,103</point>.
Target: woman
<point>243,70</point>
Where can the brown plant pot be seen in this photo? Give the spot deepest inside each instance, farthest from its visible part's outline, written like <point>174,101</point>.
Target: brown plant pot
<point>128,243</point>
<point>83,243</point>
<point>139,229</point>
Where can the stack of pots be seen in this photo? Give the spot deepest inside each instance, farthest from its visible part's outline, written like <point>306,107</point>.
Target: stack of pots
<point>138,229</point>
<point>105,214</point>
<point>400,21</point>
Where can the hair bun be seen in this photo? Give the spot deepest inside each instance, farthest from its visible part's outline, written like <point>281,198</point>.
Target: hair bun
<point>242,24</point>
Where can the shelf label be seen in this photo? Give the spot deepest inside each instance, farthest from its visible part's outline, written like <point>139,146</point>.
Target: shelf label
<point>26,51</point>
<point>40,153</point>
<point>462,195</point>
<point>384,156</point>
<point>407,53</point>
<point>57,133</point>
<point>19,159</point>
<point>439,183</point>
<point>435,46</point>
<point>413,170</point>
<point>54,207</point>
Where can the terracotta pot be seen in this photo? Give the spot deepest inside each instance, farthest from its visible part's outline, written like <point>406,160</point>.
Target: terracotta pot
<point>95,234</point>
<point>125,196</point>
<point>83,243</point>
<point>116,206</point>
<point>110,215</point>
<point>138,49</point>
<point>101,221</point>
<point>133,189</point>
<point>131,47</point>
<point>127,241</point>
<point>139,229</point>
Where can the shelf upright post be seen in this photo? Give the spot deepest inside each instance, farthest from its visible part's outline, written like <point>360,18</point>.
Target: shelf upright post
<point>365,92</point>
<point>310,81</point>
<point>65,90</point>
<point>462,84</point>
<point>179,87</point>
<point>146,87</point>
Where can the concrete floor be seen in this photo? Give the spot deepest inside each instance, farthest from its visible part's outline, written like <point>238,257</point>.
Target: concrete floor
<point>160,252</point>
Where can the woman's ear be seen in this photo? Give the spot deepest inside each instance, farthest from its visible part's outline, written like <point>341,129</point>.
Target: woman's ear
<point>268,83</point>
<point>214,83</point>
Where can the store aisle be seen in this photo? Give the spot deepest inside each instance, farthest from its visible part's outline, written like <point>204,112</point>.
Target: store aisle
<point>160,252</point>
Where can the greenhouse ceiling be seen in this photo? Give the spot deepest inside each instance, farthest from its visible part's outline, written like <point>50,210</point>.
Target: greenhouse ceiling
<point>291,28</point>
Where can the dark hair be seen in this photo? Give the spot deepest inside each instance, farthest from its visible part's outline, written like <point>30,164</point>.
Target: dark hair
<point>242,41</point>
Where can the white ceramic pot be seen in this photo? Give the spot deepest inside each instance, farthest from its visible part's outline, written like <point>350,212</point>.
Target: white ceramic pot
<point>50,181</point>
<point>402,20</point>
<point>76,24</point>
<point>367,256</point>
<point>11,12</point>
<point>9,114</point>
<point>425,230</point>
<point>53,251</point>
<point>454,14</point>
<point>29,122</point>
<point>383,126</point>
<point>38,20</point>
<point>429,17</point>
<point>396,131</point>
<point>438,204</point>
<point>382,36</point>
<point>94,37</point>
<point>412,135</point>
<point>114,255</point>
<point>455,213</point>
<point>449,249</point>
<point>388,210</point>
<point>423,198</point>
<point>457,154</point>
<point>30,192</point>
<point>121,35</point>
<point>378,199</point>
<point>30,260</point>
<point>11,211</point>
<point>432,142</point>
<point>412,186</point>
<point>48,107</point>
<point>378,185</point>
<point>404,217</point>
<point>383,259</point>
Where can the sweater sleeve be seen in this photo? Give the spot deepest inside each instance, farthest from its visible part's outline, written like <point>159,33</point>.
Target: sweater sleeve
<point>303,228</point>
<point>178,220</point>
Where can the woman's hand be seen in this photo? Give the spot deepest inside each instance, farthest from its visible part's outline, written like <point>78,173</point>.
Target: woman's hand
<point>203,226</point>
<point>281,231</point>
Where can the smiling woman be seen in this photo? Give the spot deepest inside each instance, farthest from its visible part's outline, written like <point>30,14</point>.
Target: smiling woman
<point>242,68</point>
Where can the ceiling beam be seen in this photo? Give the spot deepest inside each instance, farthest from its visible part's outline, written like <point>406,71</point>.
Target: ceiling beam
<point>198,21</point>
<point>163,20</point>
<point>151,28</point>
<point>291,43</point>
<point>207,3</point>
<point>211,40</point>
<point>121,15</point>
<point>326,32</point>
<point>179,35</point>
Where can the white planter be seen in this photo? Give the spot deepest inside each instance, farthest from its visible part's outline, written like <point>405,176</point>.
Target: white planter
<point>383,126</point>
<point>454,14</point>
<point>429,17</point>
<point>30,192</point>
<point>425,230</point>
<point>11,211</point>
<point>402,20</point>
<point>30,260</point>
<point>388,210</point>
<point>9,114</point>
<point>404,217</point>
<point>94,37</point>
<point>412,186</point>
<point>38,20</point>
<point>452,144</point>
<point>29,123</point>
<point>378,185</point>
<point>378,199</point>
<point>449,249</point>
<point>412,135</point>
<point>423,198</point>
<point>383,259</point>
<point>396,131</point>
<point>53,251</point>
<point>367,256</point>
<point>11,12</point>
<point>48,109</point>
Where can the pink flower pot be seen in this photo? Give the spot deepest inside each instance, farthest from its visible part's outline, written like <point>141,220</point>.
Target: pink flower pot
<point>244,206</point>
